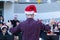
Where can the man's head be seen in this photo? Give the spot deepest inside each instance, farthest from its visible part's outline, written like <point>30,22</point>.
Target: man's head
<point>30,11</point>
<point>52,22</point>
<point>15,17</point>
<point>30,15</point>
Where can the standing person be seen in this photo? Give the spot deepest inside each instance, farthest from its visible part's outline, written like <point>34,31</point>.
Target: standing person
<point>53,25</point>
<point>30,28</point>
<point>14,21</point>
<point>52,35</point>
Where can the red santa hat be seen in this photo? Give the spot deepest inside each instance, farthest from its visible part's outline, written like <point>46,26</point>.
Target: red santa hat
<point>31,9</point>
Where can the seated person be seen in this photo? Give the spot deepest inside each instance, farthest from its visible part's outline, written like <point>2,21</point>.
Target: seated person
<point>5,35</point>
<point>51,35</point>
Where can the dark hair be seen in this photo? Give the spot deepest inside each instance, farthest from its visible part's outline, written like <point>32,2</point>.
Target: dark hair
<point>18,21</point>
<point>3,28</point>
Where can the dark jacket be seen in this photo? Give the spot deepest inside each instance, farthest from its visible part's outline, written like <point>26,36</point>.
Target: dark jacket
<point>30,29</point>
<point>6,36</point>
<point>14,22</point>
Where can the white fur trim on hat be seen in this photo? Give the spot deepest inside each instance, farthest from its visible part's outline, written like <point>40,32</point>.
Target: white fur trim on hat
<point>3,27</point>
<point>30,12</point>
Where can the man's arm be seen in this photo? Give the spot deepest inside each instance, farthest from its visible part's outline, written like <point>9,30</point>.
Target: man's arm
<point>47,28</point>
<point>15,30</point>
<point>44,27</point>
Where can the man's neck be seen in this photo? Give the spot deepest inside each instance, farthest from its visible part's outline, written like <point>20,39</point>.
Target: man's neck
<point>30,18</point>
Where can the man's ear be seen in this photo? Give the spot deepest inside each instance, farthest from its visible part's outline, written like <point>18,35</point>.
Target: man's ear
<point>26,14</point>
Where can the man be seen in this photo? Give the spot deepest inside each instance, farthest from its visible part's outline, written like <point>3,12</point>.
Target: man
<point>14,21</point>
<point>52,25</point>
<point>30,28</point>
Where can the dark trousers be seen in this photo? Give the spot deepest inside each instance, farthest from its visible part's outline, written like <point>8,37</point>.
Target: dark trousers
<point>20,36</point>
<point>53,37</point>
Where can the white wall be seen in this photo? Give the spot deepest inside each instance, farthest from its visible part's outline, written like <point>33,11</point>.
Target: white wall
<point>8,11</point>
<point>41,8</point>
<point>47,15</point>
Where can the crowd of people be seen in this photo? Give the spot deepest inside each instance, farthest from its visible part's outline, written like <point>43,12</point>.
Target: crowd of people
<point>29,29</point>
<point>5,33</point>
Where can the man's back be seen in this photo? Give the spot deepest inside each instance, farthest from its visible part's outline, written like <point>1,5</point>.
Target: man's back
<point>30,29</point>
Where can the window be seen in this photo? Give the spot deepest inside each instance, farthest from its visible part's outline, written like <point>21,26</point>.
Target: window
<point>51,1</point>
<point>30,1</point>
<point>1,8</point>
<point>58,0</point>
<point>16,0</point>
<point>19,0</point>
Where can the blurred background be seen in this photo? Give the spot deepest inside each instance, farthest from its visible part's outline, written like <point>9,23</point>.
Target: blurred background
<point>47,9</point>
<point>12,12</point>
